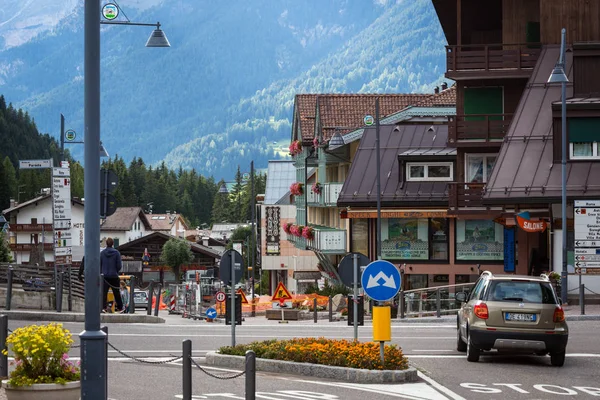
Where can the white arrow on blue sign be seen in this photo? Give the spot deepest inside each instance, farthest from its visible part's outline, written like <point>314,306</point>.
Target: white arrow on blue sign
<point>381,280</point>
<point>211,313</point>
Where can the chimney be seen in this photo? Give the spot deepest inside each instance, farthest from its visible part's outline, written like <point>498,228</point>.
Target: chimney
<point>444,85</point>
<point>205,241</point>
<point>13,203</point>
<point>436,90</point>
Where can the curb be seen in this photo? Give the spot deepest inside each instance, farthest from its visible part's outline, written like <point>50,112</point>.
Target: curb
<point>321,371</point>
<point>80,317</point>
<point>582,317</point>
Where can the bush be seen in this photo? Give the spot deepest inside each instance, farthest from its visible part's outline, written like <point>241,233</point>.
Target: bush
<point>40,353</point>
<point>339,353</point>
<point>328,290</point>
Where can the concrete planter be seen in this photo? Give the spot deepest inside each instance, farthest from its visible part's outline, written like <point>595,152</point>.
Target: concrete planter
<point>45,391</point>
<point>322,371</point>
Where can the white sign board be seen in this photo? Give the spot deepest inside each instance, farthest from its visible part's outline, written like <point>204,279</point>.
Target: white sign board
<point>587,225</point>
<point>61,242</point>
<point>35,164</point>
<point>62,251</point>
<point>61,172</point>
<point>61,212</point>
<point>62,224</point>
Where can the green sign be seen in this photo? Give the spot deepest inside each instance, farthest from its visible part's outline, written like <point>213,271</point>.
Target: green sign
<point>70,135</point>
<point>110,11</point>
<point>369,120</point>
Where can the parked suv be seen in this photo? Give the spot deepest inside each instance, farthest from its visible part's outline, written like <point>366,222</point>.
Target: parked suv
<point>512,313</point>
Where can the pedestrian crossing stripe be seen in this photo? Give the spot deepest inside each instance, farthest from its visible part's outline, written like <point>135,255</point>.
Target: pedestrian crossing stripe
<point>281,293</point>
<point>241,293</point>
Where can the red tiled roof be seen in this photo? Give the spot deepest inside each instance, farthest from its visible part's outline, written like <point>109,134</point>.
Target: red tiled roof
<point>445,98</point>
<point>306,105</point>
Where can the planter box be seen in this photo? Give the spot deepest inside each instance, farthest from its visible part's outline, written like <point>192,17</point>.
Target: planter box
<point>289,315</point>
<point>45,391</point>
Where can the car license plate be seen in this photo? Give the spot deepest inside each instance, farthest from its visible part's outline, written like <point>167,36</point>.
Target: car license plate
<point>520,317</point>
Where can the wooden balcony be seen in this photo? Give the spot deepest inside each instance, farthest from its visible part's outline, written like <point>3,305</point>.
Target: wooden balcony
<point>463,195</point>
<point>491,61</point>
<point>328,197</point>
<point>28,246</point>
<point>478,130</point>
<point>31,227</point>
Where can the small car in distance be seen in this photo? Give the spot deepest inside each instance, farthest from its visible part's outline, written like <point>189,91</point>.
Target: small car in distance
<point>140,299</point>
<point>512,313</point>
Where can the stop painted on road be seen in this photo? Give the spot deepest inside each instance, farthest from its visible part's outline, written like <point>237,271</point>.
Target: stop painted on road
<point>496,388</point>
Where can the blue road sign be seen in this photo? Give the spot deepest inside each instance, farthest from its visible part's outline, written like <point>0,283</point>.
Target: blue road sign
<point>211,313</point>
<point>381,280</point>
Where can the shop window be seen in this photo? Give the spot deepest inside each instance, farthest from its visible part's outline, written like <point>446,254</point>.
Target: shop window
<point>33,221</point>
<point>479,167</point>
<point>584,136</point>
<point>360,236</point>
<point>479,240</point>
<point>415,281</point>
<point>414,239</point>
<point>435,171</point>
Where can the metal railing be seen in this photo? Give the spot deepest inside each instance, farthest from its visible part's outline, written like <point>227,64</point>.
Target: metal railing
<point>432,301</point>
<point>328,240</point>
<point>478,129</point>
<point>486,57</point>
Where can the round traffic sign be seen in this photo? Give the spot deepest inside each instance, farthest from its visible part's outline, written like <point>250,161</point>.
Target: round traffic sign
<point>381,280</point>
<point>368,120</point>
<point>220,296</point>
<point>225,267</point>
<point>211,313</point>
<point>70,135</point>
<point>346,268</point>
<point>110,11</point>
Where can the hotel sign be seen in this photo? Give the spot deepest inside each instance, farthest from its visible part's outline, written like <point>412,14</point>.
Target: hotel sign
<point>272,228</point>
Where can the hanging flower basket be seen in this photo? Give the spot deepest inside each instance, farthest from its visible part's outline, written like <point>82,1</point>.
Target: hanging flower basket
<point>316,142</point>
<point>295,148</point>
<point>316,188</point>
<point>286,227</point>
<point>297,189</point>
<point>301,229</point>
<point>308,233</point>
<point>294,230</point>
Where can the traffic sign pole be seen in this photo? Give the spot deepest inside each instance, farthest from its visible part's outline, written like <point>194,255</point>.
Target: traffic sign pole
<point>355,305</point>
<point>232,291</point>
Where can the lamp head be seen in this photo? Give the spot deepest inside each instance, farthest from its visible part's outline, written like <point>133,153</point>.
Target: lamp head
<point>223,189</point>
<point>103,152</point>
<point>558,75</point>
<point>158,38</point>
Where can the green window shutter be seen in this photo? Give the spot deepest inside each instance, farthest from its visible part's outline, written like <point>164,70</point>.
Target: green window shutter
<point>483,100</point>
<point>116,243</point>
<point>584,130</point>
<point>532,33</point>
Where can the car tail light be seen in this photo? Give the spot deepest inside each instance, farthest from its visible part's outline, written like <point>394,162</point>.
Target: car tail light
<point>481,311</point>
<point>559,314</point>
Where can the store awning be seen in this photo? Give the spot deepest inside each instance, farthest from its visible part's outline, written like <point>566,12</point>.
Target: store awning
<point>400,213</point>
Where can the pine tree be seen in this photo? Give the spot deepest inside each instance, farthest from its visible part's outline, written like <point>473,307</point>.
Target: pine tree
<point>220,209</point>
<point>236,195</point>
<point>5,255</point>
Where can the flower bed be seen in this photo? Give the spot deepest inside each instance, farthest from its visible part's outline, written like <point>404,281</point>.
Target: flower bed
<point>339,353</point>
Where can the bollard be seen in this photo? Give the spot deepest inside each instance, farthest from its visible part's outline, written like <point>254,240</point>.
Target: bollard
<point>150,294</point>
<point>250,375</point>
<point>3,336</point>
<point>582,298</point>
<point>70,296</point>
<point>438,304</point>
<point>9,280</point>
<point>187,369</point>
<point>315,306</point>
<point>157,305</point>
<point>105,330</point>
<point>59,292</point>
<point>401,304</point>
<point>330,309</point>
<point>131,297</point>
<point>102,295</point>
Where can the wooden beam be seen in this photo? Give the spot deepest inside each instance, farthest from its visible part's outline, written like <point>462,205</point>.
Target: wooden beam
<point>458,22</point>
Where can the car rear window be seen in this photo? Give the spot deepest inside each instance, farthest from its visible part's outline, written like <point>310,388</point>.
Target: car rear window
<point>139,296</point>
<point>521,291</point>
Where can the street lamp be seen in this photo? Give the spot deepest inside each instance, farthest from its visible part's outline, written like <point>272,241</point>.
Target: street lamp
<point>93,339</point>
<point>558,76</point>
<point>223,189</point>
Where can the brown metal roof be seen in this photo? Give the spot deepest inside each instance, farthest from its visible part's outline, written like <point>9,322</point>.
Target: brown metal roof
<point>525,171</point>
<point>360,188</point>
<point>123,219</point>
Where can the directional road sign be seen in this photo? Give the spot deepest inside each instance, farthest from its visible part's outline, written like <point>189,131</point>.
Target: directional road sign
<point>381,280</point>
<point>220,297</point>
<point>587,264</point>
<point>587,223</point>
<point>225,267</point>
<point>211,313</point>
<point>346,268</point>
<point>35,164</point>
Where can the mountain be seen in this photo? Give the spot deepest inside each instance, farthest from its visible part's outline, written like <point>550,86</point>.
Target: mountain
<point>222,95</point>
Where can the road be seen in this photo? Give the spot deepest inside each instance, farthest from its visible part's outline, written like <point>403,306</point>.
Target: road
<point>430,348</point>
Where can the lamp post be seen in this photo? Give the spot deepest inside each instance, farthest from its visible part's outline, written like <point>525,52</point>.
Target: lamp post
<point>558,76</point>
<point>93,339</point>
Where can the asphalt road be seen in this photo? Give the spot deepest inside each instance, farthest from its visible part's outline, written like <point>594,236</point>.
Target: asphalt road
<point>430,347</point>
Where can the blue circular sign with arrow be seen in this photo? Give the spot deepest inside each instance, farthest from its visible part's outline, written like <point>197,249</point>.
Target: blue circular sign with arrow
<point>381,280</point>
<point>211,313</point>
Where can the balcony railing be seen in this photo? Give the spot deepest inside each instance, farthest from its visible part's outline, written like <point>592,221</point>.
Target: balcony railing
<point>462,195</point>
<point>31,227</point>
<point>328,196</point>
<point>491,60</point>
<point>478,129</point>
<point>328,240</point>
<point>29,247</point>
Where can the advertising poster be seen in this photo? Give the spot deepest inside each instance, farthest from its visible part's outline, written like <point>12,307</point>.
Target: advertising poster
<point>407,239</point>
<point>479,240</point>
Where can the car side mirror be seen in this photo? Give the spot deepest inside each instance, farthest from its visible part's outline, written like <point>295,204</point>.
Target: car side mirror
<point>461,296</point>
<point>560,301</point>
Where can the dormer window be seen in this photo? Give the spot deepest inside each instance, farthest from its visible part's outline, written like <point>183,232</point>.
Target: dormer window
<point>429,171</point>
<point>584,136</point>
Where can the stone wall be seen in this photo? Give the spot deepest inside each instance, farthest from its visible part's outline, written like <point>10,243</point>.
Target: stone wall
<point>26,300</point>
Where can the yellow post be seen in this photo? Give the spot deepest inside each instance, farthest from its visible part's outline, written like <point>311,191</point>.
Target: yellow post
<point>382,324</point>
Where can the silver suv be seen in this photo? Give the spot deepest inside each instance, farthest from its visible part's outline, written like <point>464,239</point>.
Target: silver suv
<point>512,313</point>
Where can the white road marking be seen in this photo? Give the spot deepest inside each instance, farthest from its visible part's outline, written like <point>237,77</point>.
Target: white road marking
<point>369,338</point>
<point>430,351</point>
<point>440,387</point>
<point>331,325</point>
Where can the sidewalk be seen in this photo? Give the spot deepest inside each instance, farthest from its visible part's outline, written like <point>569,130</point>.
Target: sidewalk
<point>32,315</point>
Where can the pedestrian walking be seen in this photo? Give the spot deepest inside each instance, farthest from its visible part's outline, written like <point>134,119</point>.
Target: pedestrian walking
<point>125,296</point>
<point>110,265</point>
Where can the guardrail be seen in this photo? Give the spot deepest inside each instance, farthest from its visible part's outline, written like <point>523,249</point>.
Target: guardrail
<point>431,301</point>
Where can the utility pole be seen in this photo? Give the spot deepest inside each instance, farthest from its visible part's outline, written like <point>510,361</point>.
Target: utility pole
<point>254,244</point>
<point>62,137</point>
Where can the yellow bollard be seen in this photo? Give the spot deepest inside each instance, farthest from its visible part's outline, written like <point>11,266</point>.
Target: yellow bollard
<point>382,323</point>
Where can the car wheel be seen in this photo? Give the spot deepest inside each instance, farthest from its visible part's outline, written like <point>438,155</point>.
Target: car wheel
<point>472,351</point>
<point>460,344</point>
<point>558,359</point>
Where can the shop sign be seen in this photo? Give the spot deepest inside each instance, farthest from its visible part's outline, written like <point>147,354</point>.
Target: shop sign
<point>272,231</point>
<point>399,214</point>
<point>524,222</point>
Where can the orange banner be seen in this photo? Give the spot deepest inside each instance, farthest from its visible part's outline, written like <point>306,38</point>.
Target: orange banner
<point>531,226</point>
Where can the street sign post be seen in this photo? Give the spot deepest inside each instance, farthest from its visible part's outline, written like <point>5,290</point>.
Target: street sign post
<point>348,269</point>
<point>230,270</point>
<point>381,280</point>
